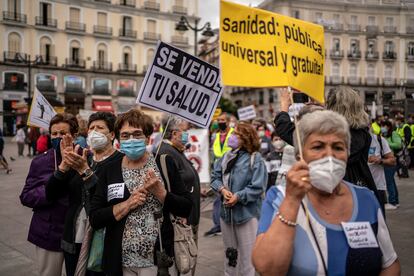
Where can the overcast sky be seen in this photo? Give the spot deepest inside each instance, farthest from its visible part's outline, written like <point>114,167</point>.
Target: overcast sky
<point>209,10</point>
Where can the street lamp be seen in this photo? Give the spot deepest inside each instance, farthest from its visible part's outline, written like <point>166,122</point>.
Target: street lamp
<point>29,63</point>
<point>183,25</point>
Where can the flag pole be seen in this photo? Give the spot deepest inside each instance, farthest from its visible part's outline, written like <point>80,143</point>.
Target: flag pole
<point>295,120</point>
<point>163,135</point>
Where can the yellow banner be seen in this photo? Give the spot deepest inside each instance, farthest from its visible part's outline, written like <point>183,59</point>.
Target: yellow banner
<point>264,49</point>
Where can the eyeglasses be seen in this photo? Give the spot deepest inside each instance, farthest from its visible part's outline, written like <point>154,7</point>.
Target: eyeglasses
<point>135,135</point>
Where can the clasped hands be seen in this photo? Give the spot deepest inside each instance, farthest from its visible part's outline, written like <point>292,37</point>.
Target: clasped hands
<point>230,199</point>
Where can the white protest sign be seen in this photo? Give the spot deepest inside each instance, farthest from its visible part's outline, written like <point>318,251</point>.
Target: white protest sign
<point>246,113</point>
<point>359,234</point>
<point>41,111</point>
<point>198,153</point>
<point>181,84</point>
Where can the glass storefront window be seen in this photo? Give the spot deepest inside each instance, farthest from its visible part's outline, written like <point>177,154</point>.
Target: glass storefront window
<point>126,88</point>
<point>14,81</point>
<point>46,83</point>
<point>101,87</point>
<point>74,84</point>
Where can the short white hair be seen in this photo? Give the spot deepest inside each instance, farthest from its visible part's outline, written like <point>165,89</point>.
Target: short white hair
<point>322,122</point>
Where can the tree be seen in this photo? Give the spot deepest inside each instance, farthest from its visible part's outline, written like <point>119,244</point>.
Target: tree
<point>227,106</point>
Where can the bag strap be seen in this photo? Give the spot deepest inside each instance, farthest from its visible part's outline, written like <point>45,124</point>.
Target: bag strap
<point>165,171</point>
<point>381,147</point>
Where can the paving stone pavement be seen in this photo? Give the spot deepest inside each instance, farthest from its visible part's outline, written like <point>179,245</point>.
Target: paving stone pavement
<point>17,255</point>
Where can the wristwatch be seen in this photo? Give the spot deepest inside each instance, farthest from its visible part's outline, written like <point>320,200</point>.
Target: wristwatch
<point>86,173</point>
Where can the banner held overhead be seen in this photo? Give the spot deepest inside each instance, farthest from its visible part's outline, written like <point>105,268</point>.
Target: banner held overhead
<point>263,49</point>
<point>181,84</point>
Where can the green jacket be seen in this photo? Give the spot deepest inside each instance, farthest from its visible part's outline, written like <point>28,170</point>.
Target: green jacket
<point>395,141</point>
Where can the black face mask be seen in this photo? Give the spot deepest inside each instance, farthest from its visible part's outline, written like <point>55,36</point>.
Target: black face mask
<point>222,126</point>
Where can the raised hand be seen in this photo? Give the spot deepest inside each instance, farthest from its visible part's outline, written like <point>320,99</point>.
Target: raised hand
<point>76,161</point>
<point>298,181</point>
<point>66,146</point>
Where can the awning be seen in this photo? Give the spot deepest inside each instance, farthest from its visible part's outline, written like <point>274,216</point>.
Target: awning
<point>103,106</point>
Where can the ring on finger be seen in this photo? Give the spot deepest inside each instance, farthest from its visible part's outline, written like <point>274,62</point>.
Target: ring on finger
<point>305,178</point>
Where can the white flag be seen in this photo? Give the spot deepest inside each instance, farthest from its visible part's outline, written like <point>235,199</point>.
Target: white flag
<point>41,112</point>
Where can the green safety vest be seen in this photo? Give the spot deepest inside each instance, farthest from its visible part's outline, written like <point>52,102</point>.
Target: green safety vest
<point>400,132</point>
<point>219,150</point>
<point>376,129</point>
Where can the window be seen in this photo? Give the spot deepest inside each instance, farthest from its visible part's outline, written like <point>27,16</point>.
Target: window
<point>14,43</point>
<point>102,54</point>
<point>101,86</point>
<point>410,48</point>
<point>371,46</point>
<point>126,23</point>
<point>336,44</point>
<point>46,82</point>
<point>296,14</point>
<point>271,96</point>
<point>126,88</point>
<point>46,48</point>
<point>410,72</point>
<point>14,6</point>
<point>74,15</point>
<point>353,70</point>
<point>318,17</point>
<point>371,71</point>
<point>75,53</point>
<point>389,47</point>
<point>127,56</point>
<point>371,20</point>
<point>261,97</point>
<point>389,21</point>
<point>388,73</point>
<point>74,84</point>
<point>150,56</point>
<point>354,19</point>
<point>45,12</point>
<point>102,17</point>
<point>335,69</point>
<point>179,3</point>
<point>354,46</point>
<point>151,26</point>
<point>13,81</point>
<point>336,18</point>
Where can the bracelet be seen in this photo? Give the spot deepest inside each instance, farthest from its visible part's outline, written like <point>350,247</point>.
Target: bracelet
<point>285,221</point>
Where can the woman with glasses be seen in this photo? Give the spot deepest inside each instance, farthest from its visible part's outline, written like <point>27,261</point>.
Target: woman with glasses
<point>128,200</point>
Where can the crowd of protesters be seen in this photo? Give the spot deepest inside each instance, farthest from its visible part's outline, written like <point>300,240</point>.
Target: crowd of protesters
<point>282,191</point>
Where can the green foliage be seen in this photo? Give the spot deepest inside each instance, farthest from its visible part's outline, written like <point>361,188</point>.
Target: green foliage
<point>227,106</point>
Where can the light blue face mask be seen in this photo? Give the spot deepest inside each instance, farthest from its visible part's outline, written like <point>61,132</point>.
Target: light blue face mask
<point>133,148</point>
<point>184,138</point>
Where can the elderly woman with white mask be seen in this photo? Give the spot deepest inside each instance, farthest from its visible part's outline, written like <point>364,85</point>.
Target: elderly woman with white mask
<point>320,224</point>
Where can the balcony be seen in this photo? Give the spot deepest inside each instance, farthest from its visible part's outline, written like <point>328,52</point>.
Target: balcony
<point>128,3</point>
<point>152,5</point>
<point>390,81</point>
<point>336,27</point>
<point>179,9</point>
<point>336,80</point>
<point>372,29</point>
<point>102,66</point>
<point>354,27</point>
<point>127,67</point>
<point>104,1</point>
<point>371,81</point>
<point>389,56</point>
<point>75,26</point>
<point>336,54</point>
<point>152,36</point>
<point>354,80</point>
<point>15,57</point>
<point>14,17</point>
<point>180,40</point>
<point>126,33</point>
<point>409,30</point>
<point>409,57</point>
<point>390,29</point>
<point>102,30</point>
<point>74,63</point>
<point>47,60</point>
<point>354,55</point>
<point>371,55</point>
<point>45,22</point>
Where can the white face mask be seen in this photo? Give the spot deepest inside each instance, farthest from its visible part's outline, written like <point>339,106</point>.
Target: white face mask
<point>326,173</point>
<point>97,140</point>
<point>279,144</point>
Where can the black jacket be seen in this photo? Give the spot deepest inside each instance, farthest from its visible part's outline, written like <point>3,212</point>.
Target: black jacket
<point>101,215</point>
<point>357,170</point>
<point>79,192</point>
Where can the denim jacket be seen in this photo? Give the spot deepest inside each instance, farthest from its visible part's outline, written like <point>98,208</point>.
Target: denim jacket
<point>248,181</point>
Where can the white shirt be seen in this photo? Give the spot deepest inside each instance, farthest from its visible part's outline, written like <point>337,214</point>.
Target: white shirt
<point>377,170</point>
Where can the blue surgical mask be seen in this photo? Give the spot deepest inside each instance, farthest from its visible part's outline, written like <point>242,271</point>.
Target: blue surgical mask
<point>133,148</point>
<point>56,143</point>
<point>184,138</point>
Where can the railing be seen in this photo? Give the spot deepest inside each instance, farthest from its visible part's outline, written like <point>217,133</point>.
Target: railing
<point>75,26</point>
<point>371,81</point>
<point>97,29</point>
<point>104,1</point>
<point>336,54</point>
<point>337,27</point>
<point>16,57</point>
<point>152,5</point>
<point>47,22</point>
<point>15,17</point>
<point>179,9</point>
<point>369,55</point>
<point>354,54</point>
<point>354,27</point>
<point>47,60</point>
<point>372,29</point>
<point>127,67</point>
<point>409,57</point>
<point>336,80</point>
<point>152,36</point>
<point>129,3</point>
<point>390,29</point>
<point>127,33</point>
<point>389,56</point>
<point>176,39</point>
<point>354,80</point>
<point>102,66</point>
<point>389,81</point>
<point>75,63</point>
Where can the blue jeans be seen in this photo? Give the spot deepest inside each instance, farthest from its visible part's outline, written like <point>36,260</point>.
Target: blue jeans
<point>391,186</point>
